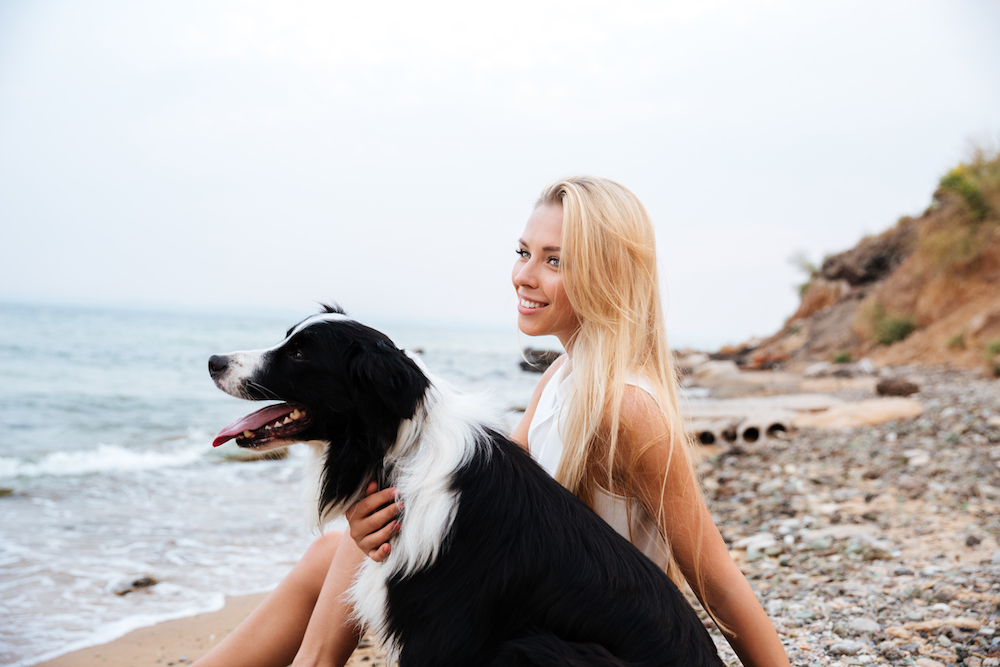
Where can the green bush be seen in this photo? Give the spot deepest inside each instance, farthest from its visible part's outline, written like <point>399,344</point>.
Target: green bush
<point>993,348</point>
<point>842,357</point>
<point>893,329</point>
<point>957,342</point>
<point>962,183</point>
<point>886,329</point>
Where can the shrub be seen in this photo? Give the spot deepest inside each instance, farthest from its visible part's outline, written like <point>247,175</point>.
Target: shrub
<point>842,357</point>
<point>957,342</point>
<point>886,329</point>
<point>962,182</point>
<point>893,329</point>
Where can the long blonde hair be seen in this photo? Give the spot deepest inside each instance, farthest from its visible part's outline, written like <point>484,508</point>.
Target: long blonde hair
<point>608,262</point>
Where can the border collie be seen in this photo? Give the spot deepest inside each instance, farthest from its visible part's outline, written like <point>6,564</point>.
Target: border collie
<point>495,562</point>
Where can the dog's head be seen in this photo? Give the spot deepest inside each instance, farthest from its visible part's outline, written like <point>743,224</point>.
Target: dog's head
<point>338,382</point>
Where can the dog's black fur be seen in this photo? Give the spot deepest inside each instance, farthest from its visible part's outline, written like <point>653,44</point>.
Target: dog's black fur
<point>526,574</point>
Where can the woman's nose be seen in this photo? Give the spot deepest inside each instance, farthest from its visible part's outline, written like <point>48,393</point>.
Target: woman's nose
<point>525,275</point>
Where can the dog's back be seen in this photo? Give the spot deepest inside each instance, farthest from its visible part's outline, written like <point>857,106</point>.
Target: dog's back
<point>529,575</point>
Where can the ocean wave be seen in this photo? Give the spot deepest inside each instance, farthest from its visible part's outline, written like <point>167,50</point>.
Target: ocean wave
<point>106,458</point>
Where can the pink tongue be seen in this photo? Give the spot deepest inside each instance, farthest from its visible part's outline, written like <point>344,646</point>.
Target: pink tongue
<point>253,421</point>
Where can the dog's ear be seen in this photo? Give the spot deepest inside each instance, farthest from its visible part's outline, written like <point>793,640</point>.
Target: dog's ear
<point>388,380</point>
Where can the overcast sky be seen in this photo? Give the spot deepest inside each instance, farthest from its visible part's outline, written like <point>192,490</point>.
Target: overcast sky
<point>386,154</point>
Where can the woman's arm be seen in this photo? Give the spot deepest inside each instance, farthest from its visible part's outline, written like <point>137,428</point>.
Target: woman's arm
<point>668,489</point>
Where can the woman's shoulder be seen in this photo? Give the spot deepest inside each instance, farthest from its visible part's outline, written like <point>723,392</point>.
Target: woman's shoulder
<point>520,434</point>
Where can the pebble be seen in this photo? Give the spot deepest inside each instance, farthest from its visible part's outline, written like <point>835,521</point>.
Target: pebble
<point>846,648</point>
<point>864,626</point>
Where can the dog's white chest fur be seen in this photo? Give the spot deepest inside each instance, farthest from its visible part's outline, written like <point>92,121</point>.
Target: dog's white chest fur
<point>429,450</point>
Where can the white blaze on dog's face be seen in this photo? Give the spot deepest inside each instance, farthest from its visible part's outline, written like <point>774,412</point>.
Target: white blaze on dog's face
<point>251,374</point>
<point>236,378</point>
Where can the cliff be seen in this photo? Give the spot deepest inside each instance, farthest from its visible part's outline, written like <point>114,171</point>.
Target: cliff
<point>926,291</point>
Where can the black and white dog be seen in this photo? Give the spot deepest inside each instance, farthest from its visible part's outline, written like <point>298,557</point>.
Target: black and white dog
<point>496,563</point>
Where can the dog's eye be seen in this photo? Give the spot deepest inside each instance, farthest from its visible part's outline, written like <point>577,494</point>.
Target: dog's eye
<point>298,355</point>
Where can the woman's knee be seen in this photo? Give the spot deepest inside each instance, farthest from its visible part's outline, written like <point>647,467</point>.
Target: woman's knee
<point>315,563</point>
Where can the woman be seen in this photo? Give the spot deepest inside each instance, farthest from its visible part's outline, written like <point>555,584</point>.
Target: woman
<point>604,421</point>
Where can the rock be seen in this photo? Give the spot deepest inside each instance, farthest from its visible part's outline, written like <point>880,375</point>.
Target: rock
<point>863,413</point>
<point>972,541</point>
<point>129,585</point>
<point>821,543</point>
<point>896,387</point>
<point>861,626</point>
<point>889,650</point>
<point>715,369</point>
<point>538,361</point>
<point>916,458</point>
<point>943,594</point>
<point>996,558</point>
<point>818,369</point>
<point>4,491</point>
<point>928,662</point>
<point>845,648</point>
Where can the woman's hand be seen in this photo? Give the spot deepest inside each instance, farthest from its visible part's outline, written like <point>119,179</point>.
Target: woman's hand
<point>373,521</point>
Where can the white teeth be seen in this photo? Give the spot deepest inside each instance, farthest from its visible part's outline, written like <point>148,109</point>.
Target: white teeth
<point>276,424</point>
<point>530,304</point>
<point>295,414</point>
<point>247,434</point>
<point>287,420</point>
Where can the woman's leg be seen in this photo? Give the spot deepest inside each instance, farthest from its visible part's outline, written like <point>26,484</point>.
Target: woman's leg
<point>271,635</point>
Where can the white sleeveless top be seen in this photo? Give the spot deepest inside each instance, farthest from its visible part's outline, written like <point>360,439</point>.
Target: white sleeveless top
<point>546,446</point>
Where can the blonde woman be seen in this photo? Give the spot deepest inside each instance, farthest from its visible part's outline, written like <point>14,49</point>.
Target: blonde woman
<point>604,421</point>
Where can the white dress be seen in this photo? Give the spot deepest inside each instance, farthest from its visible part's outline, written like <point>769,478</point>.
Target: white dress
<point>545,445</point>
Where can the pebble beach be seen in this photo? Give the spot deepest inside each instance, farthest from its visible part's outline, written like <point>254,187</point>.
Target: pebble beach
<point>876,544</point>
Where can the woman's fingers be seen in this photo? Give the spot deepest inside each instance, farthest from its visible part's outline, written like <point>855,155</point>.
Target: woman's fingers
<point>380,538</point>
<point>371,521</point>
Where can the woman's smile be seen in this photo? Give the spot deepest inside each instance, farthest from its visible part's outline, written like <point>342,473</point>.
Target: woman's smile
<point>542,305</point>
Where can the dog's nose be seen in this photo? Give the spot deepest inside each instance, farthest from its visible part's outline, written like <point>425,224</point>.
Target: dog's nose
<point>217,364</point>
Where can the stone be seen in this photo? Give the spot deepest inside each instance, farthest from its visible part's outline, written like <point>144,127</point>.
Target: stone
<point>896,387</point>
<point>928,662</point>
<point>821,543</point>
<point>943,594</point>
<point>129,585</point>
<point>715,369</point>
<point>538,361</point>
<point>916,458</point>
<point>845,648</point>
<point>862,413</point>
<point>889,650</point>
<point>860,626</point>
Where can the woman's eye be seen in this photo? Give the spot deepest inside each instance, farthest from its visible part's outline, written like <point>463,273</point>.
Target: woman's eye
<point>554,261</point>
<point>522,253</point>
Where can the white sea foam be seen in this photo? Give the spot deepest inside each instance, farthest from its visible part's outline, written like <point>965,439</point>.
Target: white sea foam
<point>104,459</point>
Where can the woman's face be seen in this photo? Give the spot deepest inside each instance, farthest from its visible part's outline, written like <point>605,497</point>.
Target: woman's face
<point>542,308</point>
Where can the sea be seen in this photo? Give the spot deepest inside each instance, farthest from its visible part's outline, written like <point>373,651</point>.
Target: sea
<point>107,473</point>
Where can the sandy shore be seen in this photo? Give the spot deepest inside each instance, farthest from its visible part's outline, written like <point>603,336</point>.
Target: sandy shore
<point>176,642</point>
<point>181,641</point>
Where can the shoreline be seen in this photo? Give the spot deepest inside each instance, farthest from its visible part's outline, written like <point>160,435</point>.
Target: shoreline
<point>181,641</point>
<point>175,642</point>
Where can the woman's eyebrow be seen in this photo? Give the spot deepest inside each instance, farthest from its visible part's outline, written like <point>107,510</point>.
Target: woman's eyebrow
<point>548,248</point>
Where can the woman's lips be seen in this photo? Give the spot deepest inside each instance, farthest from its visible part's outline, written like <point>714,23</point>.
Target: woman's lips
<point>527,306</point>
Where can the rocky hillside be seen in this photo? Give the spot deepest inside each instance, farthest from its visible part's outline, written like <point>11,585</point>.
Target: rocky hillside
<point>926,291</point>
